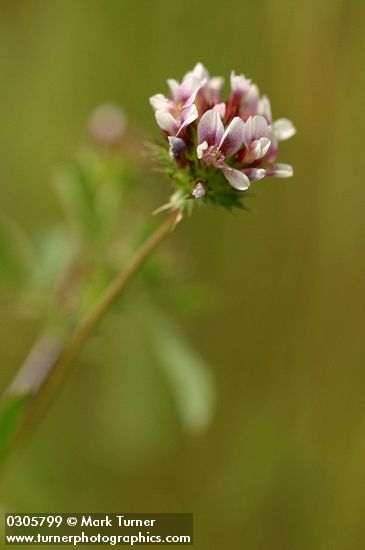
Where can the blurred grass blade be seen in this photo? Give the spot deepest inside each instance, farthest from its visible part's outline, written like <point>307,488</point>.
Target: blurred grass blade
<point>189,377</point>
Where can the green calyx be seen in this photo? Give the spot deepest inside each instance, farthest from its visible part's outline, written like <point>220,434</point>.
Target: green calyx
<point>184,178</point>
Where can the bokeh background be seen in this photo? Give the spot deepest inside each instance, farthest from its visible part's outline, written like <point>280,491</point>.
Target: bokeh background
<point>281,323</point>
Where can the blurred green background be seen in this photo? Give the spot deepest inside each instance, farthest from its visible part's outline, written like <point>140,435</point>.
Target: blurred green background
<point>282,464</point>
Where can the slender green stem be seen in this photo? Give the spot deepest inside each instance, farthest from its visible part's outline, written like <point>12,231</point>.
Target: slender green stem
<point>49,378</point>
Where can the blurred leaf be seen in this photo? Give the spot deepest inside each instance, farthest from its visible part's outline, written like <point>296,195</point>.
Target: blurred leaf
<point>108,205</point>
<point>191,298</point>
<point>77,195</point>
<point>106,173</point>
<point>91,189</point>
<point>54,251</point>
<point>189,377</point>
<point>16,254</point>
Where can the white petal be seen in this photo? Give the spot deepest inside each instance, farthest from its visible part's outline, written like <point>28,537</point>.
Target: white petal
<point>280,171</point>
<point>265,145</point>
<point>237,179</point>
<point>216,83</point>
<point>201,148</point>
<point>252,94</point>
<point>174,86</point>
<point>283,129</point>
<point>210,128</point>
<point>264,108</point>
<point>200,71</point>
<point>166,122</point>
<point>255,150</point>
<point>255,174</point>
<point>159,102</point>
<point>259,148</point>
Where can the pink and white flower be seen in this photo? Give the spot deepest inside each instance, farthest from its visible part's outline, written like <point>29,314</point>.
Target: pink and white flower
<point>175,114</point>
<point>256,138</point>
<point>216,144</point>
<point>244,98</point>
<point>237,137</point>
<point>209,94</point>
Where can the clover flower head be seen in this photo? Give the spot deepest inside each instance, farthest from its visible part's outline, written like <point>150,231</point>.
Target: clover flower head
<point>217,147</point>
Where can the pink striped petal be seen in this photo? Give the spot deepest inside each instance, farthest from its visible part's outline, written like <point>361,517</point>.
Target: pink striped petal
<point>233,137</point>
<point>210,128</point>
<point>215,85</point>
<point>256,127</point>
<point>188,90</point>
<point>188,116</point>
<point>240,85</point>
<point>221,109</point>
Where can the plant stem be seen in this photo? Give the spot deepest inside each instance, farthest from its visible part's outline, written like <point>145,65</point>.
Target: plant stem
<point>49,377</point>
